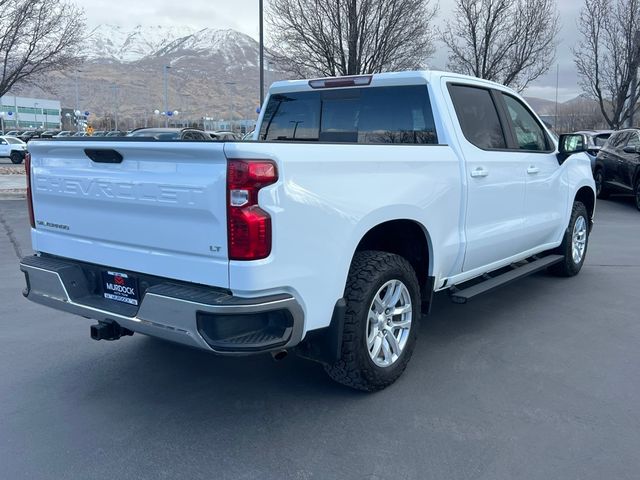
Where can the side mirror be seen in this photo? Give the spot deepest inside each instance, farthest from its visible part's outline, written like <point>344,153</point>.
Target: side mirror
<point>571,143</point>
<point>630,149</point>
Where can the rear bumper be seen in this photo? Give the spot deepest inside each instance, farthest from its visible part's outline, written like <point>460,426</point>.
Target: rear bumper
<point>193,315</point>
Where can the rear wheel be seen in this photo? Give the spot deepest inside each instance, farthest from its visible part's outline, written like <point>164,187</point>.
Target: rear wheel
<point>601,188</point>
<point>16,158</point>
<point>636,192</point>
<point>575,242</point>
<point>381,321</point>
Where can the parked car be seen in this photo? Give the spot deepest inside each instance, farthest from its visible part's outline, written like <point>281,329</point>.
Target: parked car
<point>617,168</point>
<point>595,141</point>
<point>65,133</point>
<point>80,134</point>
<point>49,133</point>
<point>222,136</point>
<point>191,134</point>
<point>328,237</point>
<point>29,135</point>
<point>13,133</point>
<point>99,133</point>
<point>13,148</point>
<point>248,136</point>
<point>115,133</point>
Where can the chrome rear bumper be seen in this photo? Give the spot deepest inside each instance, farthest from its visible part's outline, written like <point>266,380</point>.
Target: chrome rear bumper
<point>192,315</point>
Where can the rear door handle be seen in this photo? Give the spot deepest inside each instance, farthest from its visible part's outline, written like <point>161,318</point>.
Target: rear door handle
<point>533,170</point>
<point>479,172</point>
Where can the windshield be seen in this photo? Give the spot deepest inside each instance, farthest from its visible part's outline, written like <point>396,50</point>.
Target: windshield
<point>15,141</point>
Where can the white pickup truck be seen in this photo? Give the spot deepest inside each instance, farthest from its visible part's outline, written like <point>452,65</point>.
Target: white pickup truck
<point>328,235</point>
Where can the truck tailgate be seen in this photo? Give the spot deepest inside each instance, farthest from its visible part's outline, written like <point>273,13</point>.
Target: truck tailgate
<point>160,211</point>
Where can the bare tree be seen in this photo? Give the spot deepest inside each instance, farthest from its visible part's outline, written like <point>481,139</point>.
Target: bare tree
<point>608,57</point>
<point>512,42</point>
<point>37,37</point>
<point>579,114</point>
<point>350,37</point>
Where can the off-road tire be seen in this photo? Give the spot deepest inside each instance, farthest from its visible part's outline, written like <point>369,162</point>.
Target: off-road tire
<point>369,271</point>
<point>567,267</point>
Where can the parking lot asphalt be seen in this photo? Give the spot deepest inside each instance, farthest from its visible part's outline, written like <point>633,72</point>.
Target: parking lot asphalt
<point>538,380</point>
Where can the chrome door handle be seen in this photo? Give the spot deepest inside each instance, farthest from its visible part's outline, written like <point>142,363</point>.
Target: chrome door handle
<point>532,170</point>
<point>479,172</point>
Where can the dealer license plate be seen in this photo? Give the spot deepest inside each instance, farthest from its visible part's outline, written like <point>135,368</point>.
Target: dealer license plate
<point>120,287</point>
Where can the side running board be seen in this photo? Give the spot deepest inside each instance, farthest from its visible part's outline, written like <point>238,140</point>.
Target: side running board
<point>533,266</point>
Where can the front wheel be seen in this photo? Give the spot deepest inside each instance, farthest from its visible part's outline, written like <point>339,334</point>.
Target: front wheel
<point>575,242</point>
<point>16,158</point>
<point>636,192</point>
<point>381,321</point>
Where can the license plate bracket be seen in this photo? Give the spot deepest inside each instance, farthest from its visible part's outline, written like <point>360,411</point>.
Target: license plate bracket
<point>120,287</point>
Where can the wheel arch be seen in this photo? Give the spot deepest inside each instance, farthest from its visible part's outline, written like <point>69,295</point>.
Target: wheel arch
<point>587,196</point>
<point>409,239</point>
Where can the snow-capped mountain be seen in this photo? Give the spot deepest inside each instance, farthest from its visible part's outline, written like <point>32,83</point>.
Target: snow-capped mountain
<point>214,73</point>
<point>113,43</point>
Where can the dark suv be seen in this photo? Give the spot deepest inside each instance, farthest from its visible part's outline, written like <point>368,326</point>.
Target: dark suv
<point>617,167</point>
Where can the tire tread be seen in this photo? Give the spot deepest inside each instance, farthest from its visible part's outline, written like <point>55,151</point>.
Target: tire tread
<point>366,270</point>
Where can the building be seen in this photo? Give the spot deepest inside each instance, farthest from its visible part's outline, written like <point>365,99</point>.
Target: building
<point>30,113</point>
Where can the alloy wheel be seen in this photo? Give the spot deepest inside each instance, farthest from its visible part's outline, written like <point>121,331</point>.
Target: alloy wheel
<point>389,323</point>
<point>579,239</point>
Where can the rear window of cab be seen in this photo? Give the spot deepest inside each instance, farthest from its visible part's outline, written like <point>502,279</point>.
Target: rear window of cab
<point>370,115</point>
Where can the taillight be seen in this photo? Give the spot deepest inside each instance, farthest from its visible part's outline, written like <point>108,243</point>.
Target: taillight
<point>248,226</point>
<point>27,168</point>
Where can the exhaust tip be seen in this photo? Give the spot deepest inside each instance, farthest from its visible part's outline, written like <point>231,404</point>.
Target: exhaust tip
<point>279,355</point>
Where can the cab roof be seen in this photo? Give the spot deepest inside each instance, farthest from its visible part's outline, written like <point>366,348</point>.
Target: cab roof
<point>415,77</point>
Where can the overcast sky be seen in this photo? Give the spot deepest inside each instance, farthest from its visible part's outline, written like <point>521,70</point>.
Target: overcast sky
<point>242,15</point>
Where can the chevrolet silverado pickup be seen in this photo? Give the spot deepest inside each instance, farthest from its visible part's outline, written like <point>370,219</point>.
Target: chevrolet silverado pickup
<point>327,235</point>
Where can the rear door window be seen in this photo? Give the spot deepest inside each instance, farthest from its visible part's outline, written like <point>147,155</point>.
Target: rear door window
<point>478,116</point>
<point>354,115</point>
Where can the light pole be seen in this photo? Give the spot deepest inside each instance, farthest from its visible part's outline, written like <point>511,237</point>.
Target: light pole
<point>35,108</point>
<point>2,122</point>
<point>231,115</point>
<point>77,100</point>
<point>261,52</point>
<point>76,115</point>
<point>165,71</point>
<point>115,105</point>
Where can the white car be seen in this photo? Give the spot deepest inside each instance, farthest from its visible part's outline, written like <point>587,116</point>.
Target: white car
<point>13,148</point>
<point>328,236</point>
